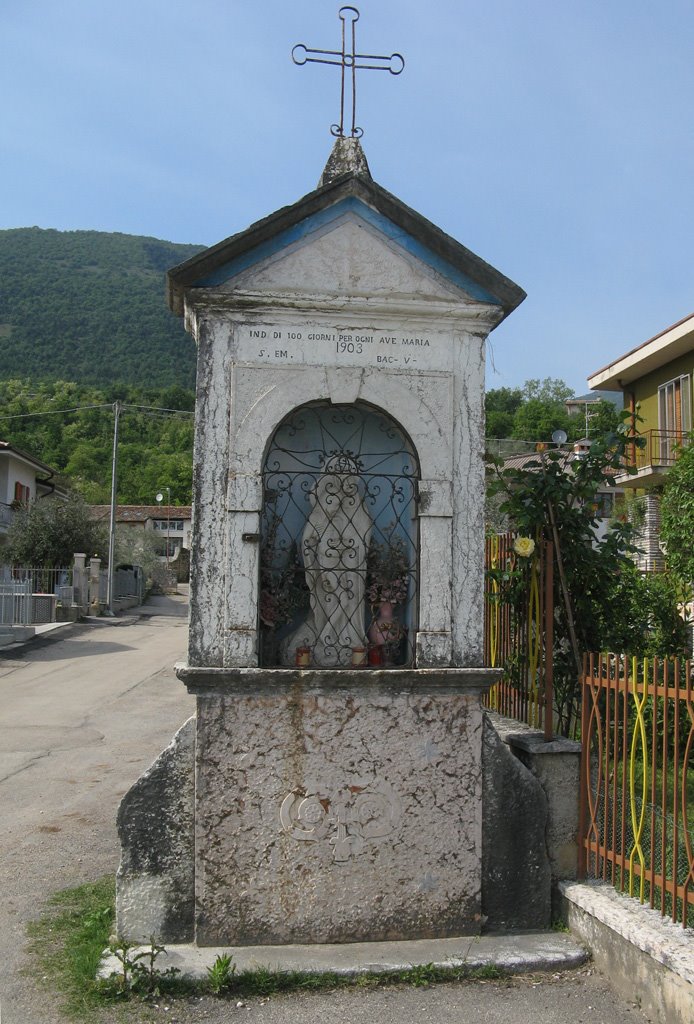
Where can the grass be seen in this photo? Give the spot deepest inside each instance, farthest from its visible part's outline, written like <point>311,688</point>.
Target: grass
<point>67,942</point>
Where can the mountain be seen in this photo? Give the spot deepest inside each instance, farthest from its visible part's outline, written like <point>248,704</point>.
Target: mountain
<point>89,306</point>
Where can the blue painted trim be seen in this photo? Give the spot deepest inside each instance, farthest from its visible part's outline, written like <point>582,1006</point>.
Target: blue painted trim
<point>382,224</point>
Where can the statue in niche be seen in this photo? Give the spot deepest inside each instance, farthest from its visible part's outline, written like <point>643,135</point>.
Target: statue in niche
<point>334,547</point>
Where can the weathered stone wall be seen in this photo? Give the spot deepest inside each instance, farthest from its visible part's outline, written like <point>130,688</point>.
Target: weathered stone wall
<point>337,807</point>
<point>155,880</point>
<point>335,812</point>
<point>343,317</point>
<point>516,873</point>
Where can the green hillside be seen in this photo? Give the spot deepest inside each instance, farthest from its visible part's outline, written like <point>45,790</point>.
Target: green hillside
<point>70,427</point>
<point>89,306</point>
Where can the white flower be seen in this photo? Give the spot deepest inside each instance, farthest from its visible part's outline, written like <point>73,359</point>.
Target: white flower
<point>524,546</point>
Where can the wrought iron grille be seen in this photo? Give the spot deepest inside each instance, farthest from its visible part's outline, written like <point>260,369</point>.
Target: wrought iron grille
<point>339,541</point>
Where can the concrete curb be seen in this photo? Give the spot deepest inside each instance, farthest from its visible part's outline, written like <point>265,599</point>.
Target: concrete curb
<point>511,954</point>
<point>645,955</point>
<point>42,633</point>
<point>53,631</point>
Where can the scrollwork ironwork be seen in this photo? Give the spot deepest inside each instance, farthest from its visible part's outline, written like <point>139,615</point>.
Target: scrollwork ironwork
<point>339,542</point>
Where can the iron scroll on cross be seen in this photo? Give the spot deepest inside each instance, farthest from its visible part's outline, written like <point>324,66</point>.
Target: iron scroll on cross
<point>348,59</point>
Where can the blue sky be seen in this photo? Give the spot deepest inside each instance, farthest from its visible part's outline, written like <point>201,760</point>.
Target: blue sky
<point>554,139</point>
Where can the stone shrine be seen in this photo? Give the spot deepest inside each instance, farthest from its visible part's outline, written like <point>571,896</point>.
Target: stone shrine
<point>329,788</point>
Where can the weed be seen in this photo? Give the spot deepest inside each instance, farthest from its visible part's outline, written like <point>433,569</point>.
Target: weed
<point>68,942</point>
<point>138,970</point>
<point>560,926</point>
<point>221,974</point>
<point>421,975</point>
<point>120,949</point>
<point>488,972</point>
<point>262,982</point>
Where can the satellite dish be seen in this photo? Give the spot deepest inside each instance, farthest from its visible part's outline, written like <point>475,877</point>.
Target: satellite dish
<point>159,497</point>
<point>559,436</point>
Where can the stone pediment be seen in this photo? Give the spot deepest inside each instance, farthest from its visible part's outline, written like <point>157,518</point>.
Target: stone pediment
<point>333,228</point>
<point>346,257</point>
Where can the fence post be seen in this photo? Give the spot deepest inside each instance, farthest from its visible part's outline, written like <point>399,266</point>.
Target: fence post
<point>94,577</point>
<point>584,772</point>
<point>80,582</point>
<point>549,639</point>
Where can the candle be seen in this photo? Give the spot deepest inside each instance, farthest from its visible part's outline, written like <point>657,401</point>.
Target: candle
<point>303,657</point>
<point>376,655</point>
<point>358,656</point>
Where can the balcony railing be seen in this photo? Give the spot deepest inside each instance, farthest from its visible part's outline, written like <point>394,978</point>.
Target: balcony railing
<point>661,449</point>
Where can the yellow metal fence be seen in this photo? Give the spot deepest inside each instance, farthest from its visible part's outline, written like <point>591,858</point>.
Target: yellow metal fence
<point>518,629</point>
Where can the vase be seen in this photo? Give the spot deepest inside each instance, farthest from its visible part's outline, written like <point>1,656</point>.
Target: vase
<point>385,630</point>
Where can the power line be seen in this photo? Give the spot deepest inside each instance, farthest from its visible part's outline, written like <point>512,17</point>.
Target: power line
<point>160,408</point>
<point>53,412</point>
<point>105,405</point>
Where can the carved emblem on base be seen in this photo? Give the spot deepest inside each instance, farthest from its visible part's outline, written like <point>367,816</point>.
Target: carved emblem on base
<point>358,816</point>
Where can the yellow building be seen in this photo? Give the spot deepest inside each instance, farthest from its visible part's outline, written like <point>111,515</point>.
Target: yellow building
<point>656,379</point>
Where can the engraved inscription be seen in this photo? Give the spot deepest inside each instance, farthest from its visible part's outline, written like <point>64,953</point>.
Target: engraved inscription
<point>309,345</point>
<point>359,815</point>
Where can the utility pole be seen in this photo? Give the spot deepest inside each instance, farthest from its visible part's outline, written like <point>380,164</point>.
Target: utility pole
<point>160,498</point>
<point>114,502</point>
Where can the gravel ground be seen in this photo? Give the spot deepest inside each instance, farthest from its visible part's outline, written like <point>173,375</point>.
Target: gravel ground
<point>582,996</point>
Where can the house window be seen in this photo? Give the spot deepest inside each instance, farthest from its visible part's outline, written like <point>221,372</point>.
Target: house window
<point>674,414</point>
<point>168,525</point>
<point>22,493</point>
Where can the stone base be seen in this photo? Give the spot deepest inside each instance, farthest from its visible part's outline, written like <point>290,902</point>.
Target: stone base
<point>516,874</point>
<point>155,880</point>
<point>337,806</point>
<point>510,954</point>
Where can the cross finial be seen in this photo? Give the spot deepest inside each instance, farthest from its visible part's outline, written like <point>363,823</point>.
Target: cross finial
<point>347,59</point>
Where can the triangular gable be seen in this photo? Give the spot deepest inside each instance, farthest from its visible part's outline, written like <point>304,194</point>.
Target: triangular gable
<point>358,197</point>
<point>347,254</point>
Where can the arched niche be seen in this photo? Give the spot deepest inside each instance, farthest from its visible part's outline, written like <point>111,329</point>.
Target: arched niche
<point>339,541</point>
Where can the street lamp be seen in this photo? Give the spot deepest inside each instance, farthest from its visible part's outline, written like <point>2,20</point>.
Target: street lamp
<point>160,498</point>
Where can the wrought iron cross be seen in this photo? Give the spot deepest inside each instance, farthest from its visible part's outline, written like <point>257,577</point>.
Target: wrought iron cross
<point>347,59</point>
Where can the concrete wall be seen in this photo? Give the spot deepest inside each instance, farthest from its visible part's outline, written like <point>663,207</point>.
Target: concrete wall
<point>646,957</point>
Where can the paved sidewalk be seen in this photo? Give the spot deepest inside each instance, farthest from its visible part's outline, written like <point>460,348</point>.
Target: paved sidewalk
<point>512,954</point>
<point>170,605</point>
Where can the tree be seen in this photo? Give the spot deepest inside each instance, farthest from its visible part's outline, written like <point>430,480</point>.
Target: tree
<point>677,515</point>
<point>500,406</point>
<point>139,547</point>
<point>535,411</point>
<point>603,418</point>
<point>551,389</point>
<point>553,499</point>
<point>538,418</point>
<point>642,614</point>
<point>50,531</point>
<point>70,427</point>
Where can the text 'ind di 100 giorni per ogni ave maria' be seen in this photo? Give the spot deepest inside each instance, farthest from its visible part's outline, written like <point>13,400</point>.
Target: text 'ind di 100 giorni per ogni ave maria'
<point>342,346</point>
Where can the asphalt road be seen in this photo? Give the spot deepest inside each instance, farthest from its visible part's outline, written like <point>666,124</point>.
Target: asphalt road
<point>81,718</point>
